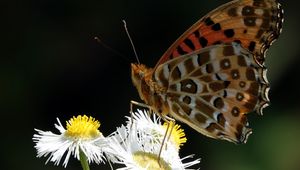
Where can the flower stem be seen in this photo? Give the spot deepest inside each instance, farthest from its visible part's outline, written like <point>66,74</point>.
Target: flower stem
<point>83,161</point>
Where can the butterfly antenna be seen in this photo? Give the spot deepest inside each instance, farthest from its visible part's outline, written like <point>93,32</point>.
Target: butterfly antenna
<point>110,49</point>
<point>131,42</point>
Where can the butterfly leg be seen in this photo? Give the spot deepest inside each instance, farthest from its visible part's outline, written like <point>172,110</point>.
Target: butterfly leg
<point>171,123</point>
<point>132,103</point>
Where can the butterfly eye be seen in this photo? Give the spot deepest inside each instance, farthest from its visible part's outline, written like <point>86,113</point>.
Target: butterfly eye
<point>141,74</point>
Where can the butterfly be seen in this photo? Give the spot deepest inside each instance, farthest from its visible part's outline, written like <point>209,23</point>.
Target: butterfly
<point>214,73</point>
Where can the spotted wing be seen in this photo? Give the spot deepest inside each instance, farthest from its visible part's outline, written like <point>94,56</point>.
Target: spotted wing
<point>211,90</point>
<point>253,23</point>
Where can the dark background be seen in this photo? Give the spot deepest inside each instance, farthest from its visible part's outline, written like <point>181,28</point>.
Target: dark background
<point>51,67</point>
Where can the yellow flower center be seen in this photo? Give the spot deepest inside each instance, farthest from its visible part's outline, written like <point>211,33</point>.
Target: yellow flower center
<point>82,127</point>
<point>150,161</point>
<point>177,134</point>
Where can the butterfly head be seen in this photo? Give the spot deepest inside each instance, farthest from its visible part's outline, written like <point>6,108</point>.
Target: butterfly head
<point>140,74</point>
<point>137,73</point>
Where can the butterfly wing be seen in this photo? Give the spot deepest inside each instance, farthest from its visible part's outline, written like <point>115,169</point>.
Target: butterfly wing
<point>255,24</point>
<point>212,89</point>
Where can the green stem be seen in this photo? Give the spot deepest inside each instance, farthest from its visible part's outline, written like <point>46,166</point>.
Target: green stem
<point>83,161</point>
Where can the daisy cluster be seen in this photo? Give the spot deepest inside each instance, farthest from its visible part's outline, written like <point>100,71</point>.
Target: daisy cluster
<point>144,142</point>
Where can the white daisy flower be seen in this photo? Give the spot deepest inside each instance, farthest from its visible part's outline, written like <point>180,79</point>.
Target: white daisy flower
<point>81,139</point>
<point>139,149</point>
<point>154,127</point>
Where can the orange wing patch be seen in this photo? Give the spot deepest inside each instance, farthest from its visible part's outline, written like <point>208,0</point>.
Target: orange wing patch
<point>255,24</point>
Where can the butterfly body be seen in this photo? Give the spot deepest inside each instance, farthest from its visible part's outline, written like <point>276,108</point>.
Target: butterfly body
<point>150,91</point>
<point>214,73</point>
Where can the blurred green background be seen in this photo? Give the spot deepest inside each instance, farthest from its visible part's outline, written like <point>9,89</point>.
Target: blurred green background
<point>52,67</point>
